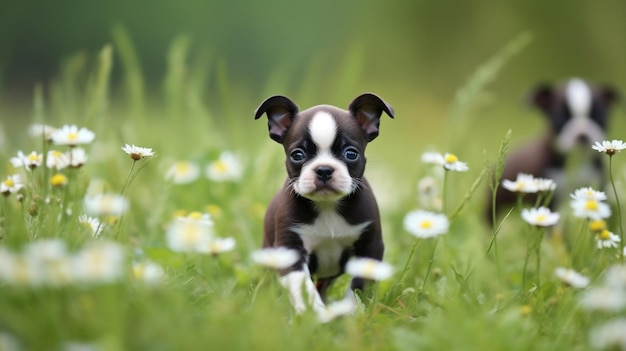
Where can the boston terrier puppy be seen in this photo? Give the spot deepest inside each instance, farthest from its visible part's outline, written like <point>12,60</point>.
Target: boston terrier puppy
<point>326,210</point>
<point>577,115</point>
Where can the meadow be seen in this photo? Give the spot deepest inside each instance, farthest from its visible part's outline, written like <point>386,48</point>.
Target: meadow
<point>89,258</point>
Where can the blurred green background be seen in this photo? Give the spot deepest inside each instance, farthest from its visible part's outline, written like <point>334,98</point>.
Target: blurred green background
<point>415,54</point>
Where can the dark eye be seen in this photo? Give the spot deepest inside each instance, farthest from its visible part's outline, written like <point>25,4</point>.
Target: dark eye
<point>297,155</point>
<point>351,154</point>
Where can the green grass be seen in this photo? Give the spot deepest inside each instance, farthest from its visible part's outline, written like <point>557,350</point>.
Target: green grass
<point>472,299</point>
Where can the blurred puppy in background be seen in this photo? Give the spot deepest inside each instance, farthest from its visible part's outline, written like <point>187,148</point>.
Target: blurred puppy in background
<point>577,115</point>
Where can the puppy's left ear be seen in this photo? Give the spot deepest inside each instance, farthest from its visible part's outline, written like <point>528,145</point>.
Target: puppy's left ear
<point>280,113</point>
<point>367,109</point>
<point>608,94</point>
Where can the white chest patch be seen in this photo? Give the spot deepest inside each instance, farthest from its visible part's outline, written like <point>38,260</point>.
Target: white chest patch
<point>327,237</point>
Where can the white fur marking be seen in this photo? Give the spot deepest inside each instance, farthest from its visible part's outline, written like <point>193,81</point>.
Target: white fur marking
<point>328,236</point>
<point>323,130</point>
<point>579,98</point>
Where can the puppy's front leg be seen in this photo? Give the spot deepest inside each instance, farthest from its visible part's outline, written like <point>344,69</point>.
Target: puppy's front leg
<point>293,282</point>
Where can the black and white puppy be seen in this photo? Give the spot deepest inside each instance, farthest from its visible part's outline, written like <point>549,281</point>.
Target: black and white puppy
<point>326,210</point>
<point>577,114</point>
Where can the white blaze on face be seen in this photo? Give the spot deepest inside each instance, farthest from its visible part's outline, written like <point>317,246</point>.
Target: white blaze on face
<point>579,99</point>
<point>323,131</point>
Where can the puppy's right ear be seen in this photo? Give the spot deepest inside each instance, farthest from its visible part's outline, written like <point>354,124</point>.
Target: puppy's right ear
<point>542,97</point>
<point>280,113</point>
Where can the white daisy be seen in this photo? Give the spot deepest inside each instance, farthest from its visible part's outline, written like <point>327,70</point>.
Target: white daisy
<point>99,262</point>
<point>369,268</point>
<point>217,246</point>
<point>604,298</point>
<point>572,278</point>
<point>524,183</point>
<point>105,205</point>
<point>57,159</point>
<point>449,161</point>
<point>183,172</point>
<point>189,235</point>
<point>276,257</point>
<point>52,260</point>
<point>541,217</point>
<point>426,224</point>
<point>590,209</point>
<point>30,161</point>
<point>94,224</point>
<point>148,272</point>
<point>11,184</point>
<point>76,157</point>
<point>588,194</point>
<point>609,336</point>
<point>137,153</point>
<point>545,184</point>
<point>606,239</point>
<point>609,147</point>
<point>45,131</point>
<point>227,168</point>
<point>336,309</point>
<point>70,135</point>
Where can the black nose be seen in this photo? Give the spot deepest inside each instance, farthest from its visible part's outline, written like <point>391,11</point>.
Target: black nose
<point>324,173</point>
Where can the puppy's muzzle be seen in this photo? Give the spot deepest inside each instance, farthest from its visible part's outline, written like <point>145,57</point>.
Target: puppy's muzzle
<point>324,173</point>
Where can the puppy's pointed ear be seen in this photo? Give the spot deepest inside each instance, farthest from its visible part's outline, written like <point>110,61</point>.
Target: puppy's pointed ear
<point>367,109</point>
<point>609,95</point>
<point>280,113</point>
<point>542,97</point>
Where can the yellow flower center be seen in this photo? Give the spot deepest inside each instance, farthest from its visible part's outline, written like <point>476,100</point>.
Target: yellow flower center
<point>9,182</point>
<point>591,205</point>
<point>597,225</point>
<point>220,166</point>
<point>427,224</point>
<point>57,154</point>
<point>213,210</point>
<point>525,310</point>
<point>604,235</point>
<point>58,180</point>
<point>33,157</point>
<point>541,218</point>
<point>182,167</point>
<point>195,215</point>
<point>369,268</point>
<point>72,136</point>
<point>451,158</point>
<point>191,234</point>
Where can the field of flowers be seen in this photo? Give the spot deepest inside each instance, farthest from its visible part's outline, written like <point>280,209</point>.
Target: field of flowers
<point>124,227</point>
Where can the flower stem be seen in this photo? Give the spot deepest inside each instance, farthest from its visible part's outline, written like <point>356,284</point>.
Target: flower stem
<point>128,178</point>
<point>444,192</point>
<point>619,210</point>
<point>405,269</point>
<point>430,263</point>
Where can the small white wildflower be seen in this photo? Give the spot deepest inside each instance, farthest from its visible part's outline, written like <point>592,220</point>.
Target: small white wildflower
<point>183,172</point>
<point>524,183</point>
<point>94,224</point>
<point>57,159</point>
<point>30,161</point>
<point>51,259</point>
<point>217,246</point>
<point>38,130</point>
<point>590,209</point>
<point>189,235</point>
<point>148,272</point>
<point>588,194</point>
<point>609,336</point>
<point>449,161</point>
<point>76,157</point>
<point>572,278</point>
<point>99,262</point>
<point>227,168</point>
<point>70,135</point>
<point>541,217</point>
<point>606,239</point>
<point>276,257</point>
<point>11,184</point>
<point>426,224</point>
<point>137,153</point>
<point>609,147</point>
<point>369,268</point>
<point>545,184</point>
<point>105,205</point>
<point>604,298</point>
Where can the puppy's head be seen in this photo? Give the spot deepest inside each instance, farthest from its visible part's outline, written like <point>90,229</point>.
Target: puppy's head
<point>324,145</point>
<point>577,111</point>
